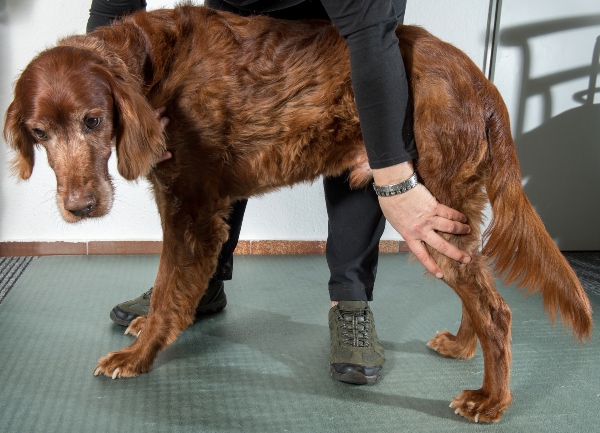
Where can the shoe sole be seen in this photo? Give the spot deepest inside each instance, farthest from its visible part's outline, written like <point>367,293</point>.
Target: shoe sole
<point>353,377</point>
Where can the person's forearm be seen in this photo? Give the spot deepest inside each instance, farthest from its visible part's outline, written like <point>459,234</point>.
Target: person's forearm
<point>394,174</point>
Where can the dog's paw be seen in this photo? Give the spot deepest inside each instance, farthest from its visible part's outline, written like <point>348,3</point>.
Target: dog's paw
<point>478,406</point>
<point>124,363</point>
<point>448,345</point>
<point>136,326</point>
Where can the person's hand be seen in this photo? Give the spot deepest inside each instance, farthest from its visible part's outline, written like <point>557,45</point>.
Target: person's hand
<point>164,121</point>
<point>416,215</point>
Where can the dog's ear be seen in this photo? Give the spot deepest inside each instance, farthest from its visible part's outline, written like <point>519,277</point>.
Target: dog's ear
<point>18,137</point>
<point>139,133</point>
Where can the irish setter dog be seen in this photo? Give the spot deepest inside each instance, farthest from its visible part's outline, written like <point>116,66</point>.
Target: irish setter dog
<point>256,104</point>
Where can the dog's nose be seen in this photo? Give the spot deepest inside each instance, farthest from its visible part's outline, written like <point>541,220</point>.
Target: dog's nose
<point>82,212</point>
<point>80,206</point>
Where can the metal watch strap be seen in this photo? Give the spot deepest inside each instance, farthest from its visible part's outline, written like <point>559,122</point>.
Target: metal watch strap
<point>397,188</point>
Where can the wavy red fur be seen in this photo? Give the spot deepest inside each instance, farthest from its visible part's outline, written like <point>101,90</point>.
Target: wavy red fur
<point>256,104</point>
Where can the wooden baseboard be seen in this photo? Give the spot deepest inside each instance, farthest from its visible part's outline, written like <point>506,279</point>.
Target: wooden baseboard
<point>257,247</point>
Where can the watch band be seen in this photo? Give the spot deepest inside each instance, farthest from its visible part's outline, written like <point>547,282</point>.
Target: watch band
<point>397,188</point>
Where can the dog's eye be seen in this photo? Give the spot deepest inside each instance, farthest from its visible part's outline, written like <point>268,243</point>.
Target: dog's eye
<point>38,133</point>
<point>92,123</point>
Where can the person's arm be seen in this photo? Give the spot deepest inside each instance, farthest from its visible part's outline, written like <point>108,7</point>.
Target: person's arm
<point>381,92</point>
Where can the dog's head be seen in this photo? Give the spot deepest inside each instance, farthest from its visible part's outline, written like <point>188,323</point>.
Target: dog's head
<point>77,105</point>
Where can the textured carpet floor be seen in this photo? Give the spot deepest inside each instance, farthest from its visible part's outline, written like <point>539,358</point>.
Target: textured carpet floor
<point>11,269</point>
<point>587,266</point>
<point>261,365</point>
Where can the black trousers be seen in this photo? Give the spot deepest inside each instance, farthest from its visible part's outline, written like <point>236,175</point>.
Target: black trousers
<point>356,222</point>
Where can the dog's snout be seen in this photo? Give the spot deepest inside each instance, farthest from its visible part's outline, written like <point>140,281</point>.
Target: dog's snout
<point>80,206</point>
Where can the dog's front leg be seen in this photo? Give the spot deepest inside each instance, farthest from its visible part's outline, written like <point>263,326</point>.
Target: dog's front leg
<point>154,332</point>
<point>188,260</point>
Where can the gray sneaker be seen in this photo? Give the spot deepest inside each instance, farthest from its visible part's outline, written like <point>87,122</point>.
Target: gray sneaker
<point>213,301</point>
<point>356,353</point>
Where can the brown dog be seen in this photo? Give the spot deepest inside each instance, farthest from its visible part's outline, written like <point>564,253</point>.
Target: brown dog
<point>256,104</point>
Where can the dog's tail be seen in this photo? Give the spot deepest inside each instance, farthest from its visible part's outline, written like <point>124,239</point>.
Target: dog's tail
<point>517,242</point>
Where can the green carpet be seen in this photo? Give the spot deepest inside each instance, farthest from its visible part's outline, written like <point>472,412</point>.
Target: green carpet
<point>261,365</point>
<point>587,266</point>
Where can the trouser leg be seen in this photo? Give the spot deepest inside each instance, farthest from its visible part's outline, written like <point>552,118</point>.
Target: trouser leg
<point>225,265</point>
<point>356,224</point>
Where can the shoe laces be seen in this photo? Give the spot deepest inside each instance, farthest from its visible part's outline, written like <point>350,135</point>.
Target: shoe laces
<point>147,294</point>
<point>354,326</point>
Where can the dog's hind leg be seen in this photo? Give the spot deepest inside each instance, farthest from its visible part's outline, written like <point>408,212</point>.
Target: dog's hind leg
<point>460,346</point>
<point>487,315</point>
<point>191,244</point>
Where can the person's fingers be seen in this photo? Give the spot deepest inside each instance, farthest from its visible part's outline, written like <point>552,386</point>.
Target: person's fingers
<point>449,213</point>
<point>448,226</point>
<point>418,217</point>
<point>423,256</point>
<point>437,242</point>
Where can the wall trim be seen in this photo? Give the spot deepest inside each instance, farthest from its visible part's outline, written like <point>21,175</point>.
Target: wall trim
<point>256,247</point>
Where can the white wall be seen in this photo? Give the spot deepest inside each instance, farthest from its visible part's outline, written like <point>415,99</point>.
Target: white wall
<point>544,65</point>
<point>27,209</point>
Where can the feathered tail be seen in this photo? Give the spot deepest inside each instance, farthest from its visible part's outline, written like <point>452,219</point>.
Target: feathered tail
<point>518,244</point>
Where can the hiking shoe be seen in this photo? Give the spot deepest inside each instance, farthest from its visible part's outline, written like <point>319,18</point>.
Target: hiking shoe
<point>356,353</point>
<point>213,301</point>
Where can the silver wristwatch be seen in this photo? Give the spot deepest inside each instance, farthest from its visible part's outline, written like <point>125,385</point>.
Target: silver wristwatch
<point>397,188</point>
